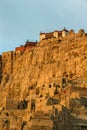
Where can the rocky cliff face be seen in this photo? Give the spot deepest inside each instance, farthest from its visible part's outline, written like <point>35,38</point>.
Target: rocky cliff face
<point>41,81</point>
<point>45,64</point>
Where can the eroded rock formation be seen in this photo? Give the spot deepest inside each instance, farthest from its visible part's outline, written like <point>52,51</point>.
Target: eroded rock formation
<point>44,78</point>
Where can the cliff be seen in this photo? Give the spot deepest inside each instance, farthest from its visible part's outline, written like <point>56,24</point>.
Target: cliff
<point>47,63</point>
<point>49,75</point>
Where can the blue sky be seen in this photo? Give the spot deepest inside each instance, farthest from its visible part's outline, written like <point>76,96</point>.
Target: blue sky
<point>24,19</point>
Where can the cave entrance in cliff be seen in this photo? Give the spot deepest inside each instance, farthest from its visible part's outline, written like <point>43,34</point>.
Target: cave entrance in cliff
<point>37,91</point>
<point>63,82</point>
<point>33,104</point>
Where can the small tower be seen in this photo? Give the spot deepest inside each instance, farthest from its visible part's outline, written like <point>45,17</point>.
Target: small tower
<point>64,32</point>
<point>55,34</point>
<point>42,36</point>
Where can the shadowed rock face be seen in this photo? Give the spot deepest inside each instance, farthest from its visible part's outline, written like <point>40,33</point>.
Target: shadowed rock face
<point>79,105</point>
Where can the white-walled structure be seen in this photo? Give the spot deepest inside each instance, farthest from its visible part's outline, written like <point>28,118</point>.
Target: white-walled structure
<point>55,34</point>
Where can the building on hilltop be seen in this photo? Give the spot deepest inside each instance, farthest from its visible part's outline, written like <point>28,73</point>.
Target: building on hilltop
<point>55,34</point>
<point>7,58</point>
<point>27,45</point>
<point>21,49</point>
<point>30,44</point>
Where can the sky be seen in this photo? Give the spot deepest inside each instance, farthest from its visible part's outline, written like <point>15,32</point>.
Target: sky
<point>22,20</point>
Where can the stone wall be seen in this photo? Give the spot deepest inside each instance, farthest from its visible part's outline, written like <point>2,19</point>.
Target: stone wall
<point>79,124</point>
<point>11,104</point>
<point>40,124</point>
<point>15,123</point>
